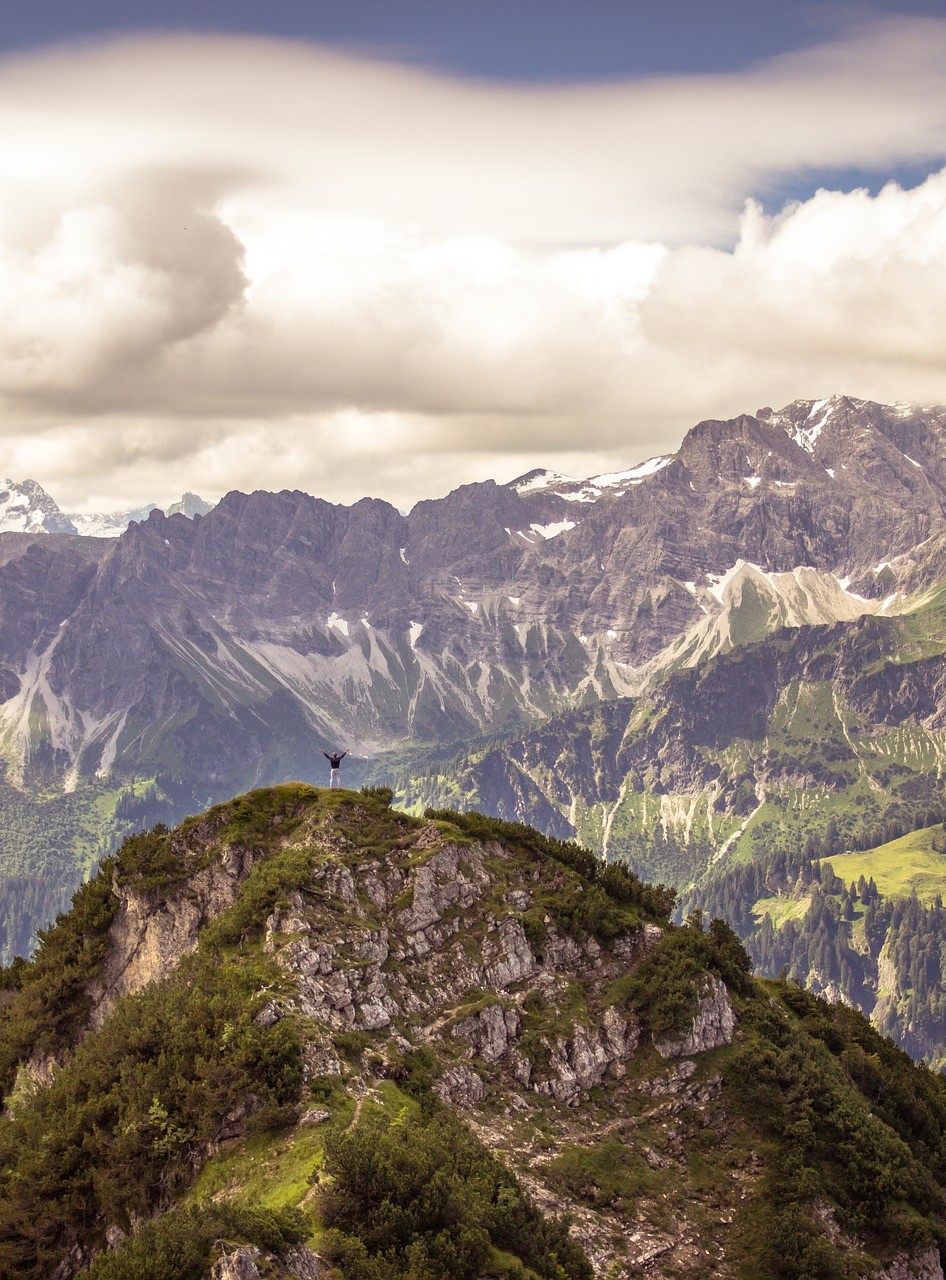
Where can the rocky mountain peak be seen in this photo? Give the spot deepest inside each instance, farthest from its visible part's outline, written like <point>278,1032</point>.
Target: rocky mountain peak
<point>268,1003</point>
<point>25,507</point>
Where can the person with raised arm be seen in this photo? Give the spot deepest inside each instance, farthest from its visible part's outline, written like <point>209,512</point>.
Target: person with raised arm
<point>335,763</point>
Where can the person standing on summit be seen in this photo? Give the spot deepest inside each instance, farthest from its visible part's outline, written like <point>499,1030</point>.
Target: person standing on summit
<point>335,762</point>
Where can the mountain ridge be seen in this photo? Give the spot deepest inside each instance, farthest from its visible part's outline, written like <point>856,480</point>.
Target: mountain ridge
<point>26,507</point>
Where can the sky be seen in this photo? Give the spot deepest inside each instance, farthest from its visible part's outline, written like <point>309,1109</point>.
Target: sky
<point>376,248</point>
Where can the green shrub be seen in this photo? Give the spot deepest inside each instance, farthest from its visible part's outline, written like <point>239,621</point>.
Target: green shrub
<point>421,1198</point>
<point>181,1244</point>
<point>351,1044</point>
<point>535,928</point>
<point>665,989</point>
<point>384,794</point>
<point>617,881</point>
<point>52,1003</point>
<point>126,1121</point>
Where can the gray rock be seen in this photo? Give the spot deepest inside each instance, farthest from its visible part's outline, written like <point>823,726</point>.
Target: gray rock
<point>301,1264</point>
<point>490,1032</point>
<point>643,1247</point>
<point>152,932</point>
<point>249,1263</point>
<point>460,1086</point>
<point>712,1026</point>
<point>672,1081</point>
<point>315,1115</point>
<point>440,883</point>
<point>587,1057</point>
<point>508,956</point>
<point>924,1265</point>
<point>240,1264</point>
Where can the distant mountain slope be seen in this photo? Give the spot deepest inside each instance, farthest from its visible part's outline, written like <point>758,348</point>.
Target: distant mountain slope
<point>842,724</point>
<point>486,608</point>
<point>305,1035</point>
<point>25,507</point>
<point>868,928</point>
<point>114,524</point>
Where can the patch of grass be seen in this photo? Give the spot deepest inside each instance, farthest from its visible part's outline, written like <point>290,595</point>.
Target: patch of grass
<point>606,1174</point>
<point>782,909</point>
<point>900,867</point>
<point>270,1170</point>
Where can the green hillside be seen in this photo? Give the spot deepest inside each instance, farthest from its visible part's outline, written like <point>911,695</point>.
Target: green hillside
<point>389,1047</point>
<point>914,863</point>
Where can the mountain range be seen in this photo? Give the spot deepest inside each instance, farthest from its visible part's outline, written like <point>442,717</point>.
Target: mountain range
<point>25,507</point>
<point>698,662</point>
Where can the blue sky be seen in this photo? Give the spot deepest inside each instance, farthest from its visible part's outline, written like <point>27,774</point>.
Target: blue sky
<point>389,247</point>
<point>505,39</point>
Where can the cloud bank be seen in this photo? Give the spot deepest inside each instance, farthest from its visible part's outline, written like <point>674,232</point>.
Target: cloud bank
<point>237,263</point>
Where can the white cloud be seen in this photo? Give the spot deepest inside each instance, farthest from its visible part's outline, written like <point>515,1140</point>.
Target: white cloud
<point>235,262</point>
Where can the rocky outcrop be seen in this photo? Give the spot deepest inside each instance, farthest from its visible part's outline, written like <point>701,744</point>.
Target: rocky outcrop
<point>589,1055</point>
<point>153,930</point>
<point>712,1026</point>
<point>249,1263</point>
<point>409,974</point>
<point>461,1087</point>
<point>491,1033</point>
<point>452,877</point>
<point>912,1266</point>
<point>238,1264</point>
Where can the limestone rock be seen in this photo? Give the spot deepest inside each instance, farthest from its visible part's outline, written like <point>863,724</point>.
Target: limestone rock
<point>490,1032</point>
<point>712,1026</point>
<point>315,1115</point>
<point>154,929</point>
<point>240,1264</point>
<point>917,1266</point>
<point>586,1057</point>
<point>249,1263</point>
<point>453,876</point>
<point>673,1081</point>
<point>509,958</point>
<point>460,1086</point>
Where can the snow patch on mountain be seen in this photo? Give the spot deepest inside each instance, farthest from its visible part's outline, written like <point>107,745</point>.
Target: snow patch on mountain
<point>552,530</point>
<point>612,479</point>
<point>807,436</point>
<point>534,481</point>
<point>587,493</point>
